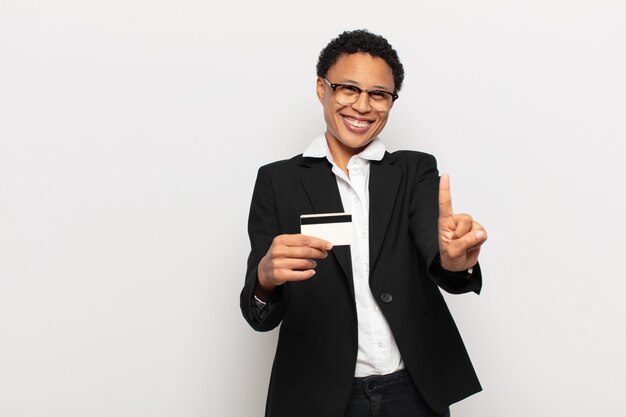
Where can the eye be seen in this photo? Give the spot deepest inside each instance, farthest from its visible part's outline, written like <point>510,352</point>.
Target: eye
<point>350,90</point>
<point>378,95</point>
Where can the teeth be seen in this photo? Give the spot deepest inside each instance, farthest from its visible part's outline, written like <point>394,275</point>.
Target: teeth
<point>357,123</point>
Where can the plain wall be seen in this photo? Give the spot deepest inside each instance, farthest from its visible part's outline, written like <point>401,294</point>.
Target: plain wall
<point>130,136</point>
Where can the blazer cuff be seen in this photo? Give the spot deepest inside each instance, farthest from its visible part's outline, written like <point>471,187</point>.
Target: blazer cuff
<point>261,309</point>
<point>456,282</point>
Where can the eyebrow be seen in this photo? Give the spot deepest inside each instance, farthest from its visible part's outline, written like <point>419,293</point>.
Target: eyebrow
<point>377,87</point>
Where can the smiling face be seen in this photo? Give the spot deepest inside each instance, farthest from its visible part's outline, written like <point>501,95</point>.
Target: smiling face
<point>349,129</point>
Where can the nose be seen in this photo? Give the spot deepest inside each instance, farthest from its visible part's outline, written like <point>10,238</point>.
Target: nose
<point>362,104</point>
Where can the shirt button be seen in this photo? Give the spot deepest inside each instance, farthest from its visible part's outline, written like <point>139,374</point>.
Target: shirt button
<point>380,344</point>
<point>386,297</point>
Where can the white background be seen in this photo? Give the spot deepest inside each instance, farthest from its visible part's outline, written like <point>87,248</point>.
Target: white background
<point>130,136</point>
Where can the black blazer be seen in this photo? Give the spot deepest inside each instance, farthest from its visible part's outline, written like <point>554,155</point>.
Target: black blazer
<point>317,347</point>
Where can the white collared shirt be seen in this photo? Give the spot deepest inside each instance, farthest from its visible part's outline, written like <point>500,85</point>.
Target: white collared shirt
<point>378,352</point>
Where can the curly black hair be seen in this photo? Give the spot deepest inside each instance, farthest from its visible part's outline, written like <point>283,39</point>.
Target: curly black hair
<point>351,42</point>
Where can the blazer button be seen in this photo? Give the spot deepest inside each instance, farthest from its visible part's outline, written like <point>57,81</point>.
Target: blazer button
<point>386,297</point>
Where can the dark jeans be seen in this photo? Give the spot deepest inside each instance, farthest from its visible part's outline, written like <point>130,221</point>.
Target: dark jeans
<point>392,395</point>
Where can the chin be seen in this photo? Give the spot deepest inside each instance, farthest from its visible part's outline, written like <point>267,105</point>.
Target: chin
<point>357,141</point>
<point>357,145</point>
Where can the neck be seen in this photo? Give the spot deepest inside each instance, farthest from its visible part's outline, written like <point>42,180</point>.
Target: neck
<point>341,153</point>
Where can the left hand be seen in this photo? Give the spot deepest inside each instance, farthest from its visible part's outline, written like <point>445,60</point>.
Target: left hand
<point>460,237</point>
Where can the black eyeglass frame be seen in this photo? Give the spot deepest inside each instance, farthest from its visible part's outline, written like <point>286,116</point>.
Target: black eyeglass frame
<point>334,86</point>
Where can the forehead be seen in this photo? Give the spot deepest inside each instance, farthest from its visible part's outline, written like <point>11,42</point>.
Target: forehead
<point>362,68</point>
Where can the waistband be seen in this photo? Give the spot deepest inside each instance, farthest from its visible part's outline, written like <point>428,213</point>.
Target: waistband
<point>382,383</point>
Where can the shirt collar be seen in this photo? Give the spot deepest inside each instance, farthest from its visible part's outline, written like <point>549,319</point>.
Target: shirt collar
<point>319,149</point>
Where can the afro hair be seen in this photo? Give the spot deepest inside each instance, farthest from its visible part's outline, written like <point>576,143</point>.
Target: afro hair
<point>355,41</point>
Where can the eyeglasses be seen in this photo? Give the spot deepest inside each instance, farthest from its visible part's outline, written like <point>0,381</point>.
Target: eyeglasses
<point>347,95</point>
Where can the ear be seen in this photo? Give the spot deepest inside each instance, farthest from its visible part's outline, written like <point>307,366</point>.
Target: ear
<point>319,87</point>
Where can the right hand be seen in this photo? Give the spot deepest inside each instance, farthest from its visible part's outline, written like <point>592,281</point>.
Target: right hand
<point>460,237</point>
<point>290,258</point>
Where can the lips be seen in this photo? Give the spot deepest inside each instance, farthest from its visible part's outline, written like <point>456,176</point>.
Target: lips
<point>356,125</point>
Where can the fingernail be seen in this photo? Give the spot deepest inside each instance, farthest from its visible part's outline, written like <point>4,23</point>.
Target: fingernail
<point>479,235</point>
<point>314,263</point>
<point>329,246</point>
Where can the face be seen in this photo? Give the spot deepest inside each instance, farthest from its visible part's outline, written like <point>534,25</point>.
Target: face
<point>349,129</point>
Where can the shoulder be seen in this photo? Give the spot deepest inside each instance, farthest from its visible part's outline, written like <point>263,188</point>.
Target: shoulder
<point>282,166</point>
<point>411,156</point>
<point>411,160</point>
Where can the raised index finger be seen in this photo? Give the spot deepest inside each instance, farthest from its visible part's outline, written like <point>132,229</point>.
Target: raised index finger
<point>445,199</point>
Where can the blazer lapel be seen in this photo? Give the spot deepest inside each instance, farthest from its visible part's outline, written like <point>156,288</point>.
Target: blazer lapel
<point>320,185</point>
<point>384,183</point>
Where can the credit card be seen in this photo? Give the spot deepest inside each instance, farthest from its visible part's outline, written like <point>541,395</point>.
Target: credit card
<point>333,227</point>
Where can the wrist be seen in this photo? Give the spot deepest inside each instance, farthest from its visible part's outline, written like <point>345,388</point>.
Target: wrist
<point>451,268</point>
<point>446,266</point>
<point>264,289</point>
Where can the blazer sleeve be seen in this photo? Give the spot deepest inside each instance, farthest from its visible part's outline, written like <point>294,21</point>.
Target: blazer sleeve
<point>424,217</point>
<point>262,228</point>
